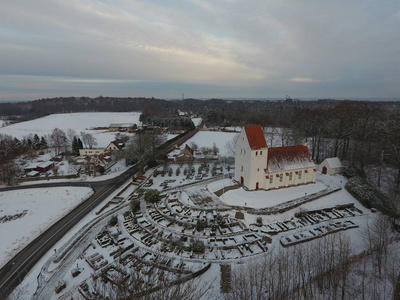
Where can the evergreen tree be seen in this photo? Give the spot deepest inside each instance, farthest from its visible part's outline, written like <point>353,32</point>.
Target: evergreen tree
<point>80,144</point>
<point>43,143</point>
<point>75,146</point>
<point>36,142</point>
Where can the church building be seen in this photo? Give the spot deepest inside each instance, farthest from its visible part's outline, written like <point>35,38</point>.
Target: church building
<point>260,167</point>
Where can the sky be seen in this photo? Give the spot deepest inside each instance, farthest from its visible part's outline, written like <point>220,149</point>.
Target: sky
<point>204,49</point>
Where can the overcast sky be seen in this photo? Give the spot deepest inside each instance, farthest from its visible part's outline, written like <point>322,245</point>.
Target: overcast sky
<point>220,48</point>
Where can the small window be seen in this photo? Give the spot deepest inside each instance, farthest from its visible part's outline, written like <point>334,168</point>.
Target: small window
<point>256,153</point>
<point>241,169</point>
<point>258,169</point>
<point>271,179</point>
<point>290,175</point>
<point>300,174</point>
<point>260,152</point>
<point>281,177</point>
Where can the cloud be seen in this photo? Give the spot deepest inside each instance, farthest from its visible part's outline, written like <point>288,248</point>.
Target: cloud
<point>252,45</point>
<point>303,79</point>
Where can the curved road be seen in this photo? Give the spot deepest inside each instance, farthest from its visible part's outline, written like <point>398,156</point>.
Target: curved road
<point>12,274</point>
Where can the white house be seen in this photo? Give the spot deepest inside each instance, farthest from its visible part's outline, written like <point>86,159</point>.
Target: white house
<point>331,166</point>
<point>260,167</point>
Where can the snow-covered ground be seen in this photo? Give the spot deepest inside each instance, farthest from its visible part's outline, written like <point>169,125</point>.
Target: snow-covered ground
<point>208,138</point>
<point>75,121</point>
<point>262,199</point>
<point>241,197</point>
<point>25,214</point>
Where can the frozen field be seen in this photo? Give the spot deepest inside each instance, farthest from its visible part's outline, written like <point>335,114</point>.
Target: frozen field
<point>208,138</point>
<point>76,121</point>
<point>25,214</point>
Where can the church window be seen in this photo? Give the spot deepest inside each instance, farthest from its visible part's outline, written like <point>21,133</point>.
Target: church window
<point>256,153</point>
<point>300,174</point>
<point>241,169</point>
<point>260,152</point>
<point>271,179</point>
<point>281,177</point>
<point>290,175</point>
<point>258,169</point>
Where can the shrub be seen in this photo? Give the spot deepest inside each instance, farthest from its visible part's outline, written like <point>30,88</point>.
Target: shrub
<point>152,196</point>
<point>113,221</point>
<point>197,246</point>
<point>135,205</point>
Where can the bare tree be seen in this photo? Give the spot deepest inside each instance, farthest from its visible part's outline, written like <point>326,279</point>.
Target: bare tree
<point>230,145</point>
<point>88,139</point>
<point>378,238</point>
<point>58,140</point>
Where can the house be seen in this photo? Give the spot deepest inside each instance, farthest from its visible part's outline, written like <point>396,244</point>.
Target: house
<point>91,151</point>
<point>45,166</point>
<point>331,166</point>
<point>122,127</point>
<point>260,167</point>
<point>181,155</point>
<point>33,174</point>
<point>115,145</point>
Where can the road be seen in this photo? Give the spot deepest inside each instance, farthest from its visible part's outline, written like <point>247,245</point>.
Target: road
<point>12,274</point>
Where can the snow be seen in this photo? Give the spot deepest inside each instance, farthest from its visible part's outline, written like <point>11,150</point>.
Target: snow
<point>76,121</point>
<point>197,121</point>
<point>38,209</point>
<point>208,138</point>
<point>261,199</point>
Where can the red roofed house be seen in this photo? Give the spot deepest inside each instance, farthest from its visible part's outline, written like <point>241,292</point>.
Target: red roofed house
<point>260,167</point>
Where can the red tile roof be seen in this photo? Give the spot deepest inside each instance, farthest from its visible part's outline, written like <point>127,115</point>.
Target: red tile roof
<point>255,136</point>
<point>289,158</point>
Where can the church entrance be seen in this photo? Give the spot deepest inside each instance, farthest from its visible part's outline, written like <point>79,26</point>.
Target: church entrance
<point>257,186</point>
<point>324,170</point>
<point>241,180</point>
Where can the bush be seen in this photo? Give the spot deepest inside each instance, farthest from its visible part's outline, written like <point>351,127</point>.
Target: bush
<point>135,205</point>
<point>152,196</point>
<point>113,221</point>
<point>197,246</point>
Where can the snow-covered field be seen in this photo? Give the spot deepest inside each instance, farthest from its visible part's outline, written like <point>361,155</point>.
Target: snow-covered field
<point>76,121</point>
<point>208,138</point>
<point>25,214</point>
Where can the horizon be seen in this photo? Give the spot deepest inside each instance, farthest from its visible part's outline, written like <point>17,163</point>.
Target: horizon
<point>372,99</point>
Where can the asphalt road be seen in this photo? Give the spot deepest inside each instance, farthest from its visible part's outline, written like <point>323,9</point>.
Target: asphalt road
<point>12,274</point>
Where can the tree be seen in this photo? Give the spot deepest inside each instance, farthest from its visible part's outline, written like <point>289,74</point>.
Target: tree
<point>194,146</point>
<point>143,148</point>
<point>88,139</point>
<point>230,145</point>
<point>58,140</point>
<point>152,196</point>
<point>8,172</point>
<point>215,149</point>
<point>75,146</point>
<point>135,205</point>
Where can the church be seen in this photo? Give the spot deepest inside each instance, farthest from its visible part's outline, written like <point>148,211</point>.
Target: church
<point>260,167</point>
